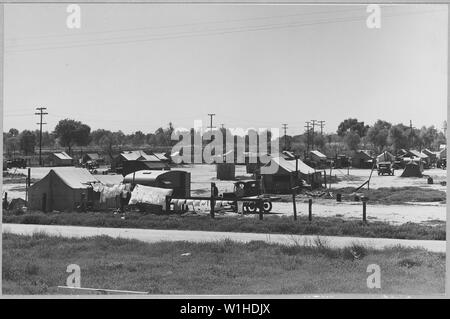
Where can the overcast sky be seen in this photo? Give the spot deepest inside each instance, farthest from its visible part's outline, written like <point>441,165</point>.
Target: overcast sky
<point>141,66</point>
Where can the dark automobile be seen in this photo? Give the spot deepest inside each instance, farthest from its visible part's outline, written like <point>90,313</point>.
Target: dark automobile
<point>385,168</point>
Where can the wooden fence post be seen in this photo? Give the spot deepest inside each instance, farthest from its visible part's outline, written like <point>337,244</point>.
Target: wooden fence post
<point>167,203</point>
<point>5,201</point>
<point>294,190</point>
<point>212,200</point>
<point>260,208</point>
<point>310,209</point>
<point>364,210</point>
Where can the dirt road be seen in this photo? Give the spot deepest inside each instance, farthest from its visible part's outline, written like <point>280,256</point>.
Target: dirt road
<point>394,214</point>
<point>151,236</point>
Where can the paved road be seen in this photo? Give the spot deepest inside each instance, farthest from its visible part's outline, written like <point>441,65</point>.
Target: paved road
<point>153,235</point>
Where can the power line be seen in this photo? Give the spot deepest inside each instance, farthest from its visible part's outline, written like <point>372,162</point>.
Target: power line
<point>182,25</point>
<point>215,32</point>
<point>41,113</point>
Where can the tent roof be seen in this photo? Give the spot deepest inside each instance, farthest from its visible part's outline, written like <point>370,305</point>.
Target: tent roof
<point>138,155</point>
<point>418,154</point>
<point>109,179</point>
<point>289,166</point>
<point>386,154</point>
<point>318,154</point>
<point>62,155</point>
<point>364,152</point>
<point>81,178</point>
<point>74,177</point>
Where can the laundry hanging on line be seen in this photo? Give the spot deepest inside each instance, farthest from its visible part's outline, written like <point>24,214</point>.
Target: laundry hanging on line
<point>107,192</point>
<point>150,195</point>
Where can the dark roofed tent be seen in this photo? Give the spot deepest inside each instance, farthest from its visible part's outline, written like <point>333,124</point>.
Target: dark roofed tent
<point>63,188</point>
<point>412,169</point>
<point>317,159</point>
<point>316,155</point>
<point>362,159</point>
<point>92,157</point>
<point>281,181</point>
<point>179,181</point>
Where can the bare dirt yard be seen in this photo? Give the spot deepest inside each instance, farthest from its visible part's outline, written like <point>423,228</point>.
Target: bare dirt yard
<point>429,208</point>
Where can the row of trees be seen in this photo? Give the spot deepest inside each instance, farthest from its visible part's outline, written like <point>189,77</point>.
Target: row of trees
<point>351,135</point>
<point>69,133</point>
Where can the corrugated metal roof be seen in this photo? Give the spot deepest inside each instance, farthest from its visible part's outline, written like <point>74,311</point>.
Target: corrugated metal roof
<point>62,155</point>
<point>318,154</point>
<point>418,154</point>
<point>139,155</point>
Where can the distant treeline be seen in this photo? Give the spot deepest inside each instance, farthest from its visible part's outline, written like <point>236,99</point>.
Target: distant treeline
<point>74,136</point>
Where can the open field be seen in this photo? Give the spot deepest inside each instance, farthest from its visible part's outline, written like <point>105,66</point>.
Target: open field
<point>37,265</point>
<point>250,223</point>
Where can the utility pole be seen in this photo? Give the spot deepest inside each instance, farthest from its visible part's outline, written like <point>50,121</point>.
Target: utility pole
<point>285,138</point>
<point>322,124</point>
<point>211,115</point>
<point>313,122</point>
<point>410,133</point>
<point>40,113</point>
<point>307,136</point>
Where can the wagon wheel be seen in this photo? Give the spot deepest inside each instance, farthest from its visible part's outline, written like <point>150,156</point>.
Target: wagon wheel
<point>267,206</point>
<point>251,207</point>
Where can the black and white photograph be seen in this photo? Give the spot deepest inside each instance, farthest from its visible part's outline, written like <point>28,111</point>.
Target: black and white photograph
<point>224,149</point>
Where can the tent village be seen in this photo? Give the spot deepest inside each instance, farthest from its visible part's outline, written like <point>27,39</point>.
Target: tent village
<point>151,182</point>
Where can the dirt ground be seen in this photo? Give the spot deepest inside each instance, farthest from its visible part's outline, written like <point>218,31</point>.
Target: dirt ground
<point>203,175</point>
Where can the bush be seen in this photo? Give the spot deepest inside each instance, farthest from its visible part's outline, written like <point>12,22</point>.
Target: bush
<point>354,252</point>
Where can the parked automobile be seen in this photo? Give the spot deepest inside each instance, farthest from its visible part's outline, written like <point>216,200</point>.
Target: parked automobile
<point>385,168</point>
<point>18,162</point>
